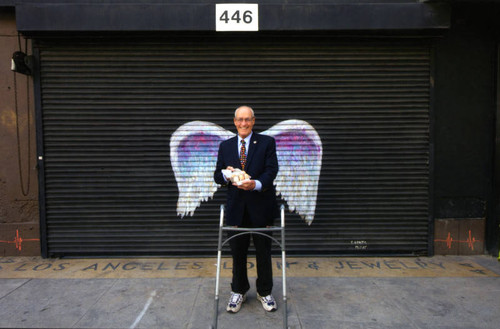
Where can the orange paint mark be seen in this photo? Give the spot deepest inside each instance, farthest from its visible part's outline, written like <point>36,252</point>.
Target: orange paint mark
<point>18,240</point>
<point>449,240</point>
<point>471,240</point>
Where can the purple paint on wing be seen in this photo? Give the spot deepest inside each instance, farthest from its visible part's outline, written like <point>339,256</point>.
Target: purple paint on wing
<point>297,142</point>
<point>198,150</point>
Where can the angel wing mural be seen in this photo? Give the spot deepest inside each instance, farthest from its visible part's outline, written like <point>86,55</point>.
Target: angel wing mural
<point>193,155</point>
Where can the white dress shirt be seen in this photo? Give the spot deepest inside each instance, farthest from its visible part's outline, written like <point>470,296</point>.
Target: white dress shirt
<point>258,184</point>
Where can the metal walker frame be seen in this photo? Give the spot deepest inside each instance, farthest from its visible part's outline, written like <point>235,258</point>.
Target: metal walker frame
<point>244,231</point>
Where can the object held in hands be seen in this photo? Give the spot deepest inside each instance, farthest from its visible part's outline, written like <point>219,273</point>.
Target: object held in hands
<point>237,176</point>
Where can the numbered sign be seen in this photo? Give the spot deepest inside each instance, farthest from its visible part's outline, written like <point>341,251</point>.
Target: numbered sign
<point>236,17</point>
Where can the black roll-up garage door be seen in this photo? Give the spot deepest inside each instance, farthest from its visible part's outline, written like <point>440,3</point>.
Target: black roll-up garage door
<point>111,106</point>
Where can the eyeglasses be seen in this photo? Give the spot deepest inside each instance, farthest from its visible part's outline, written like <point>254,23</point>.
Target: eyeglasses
<point>244,119</point>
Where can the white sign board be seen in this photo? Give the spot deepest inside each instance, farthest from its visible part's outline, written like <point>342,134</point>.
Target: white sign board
<point>236,17</point>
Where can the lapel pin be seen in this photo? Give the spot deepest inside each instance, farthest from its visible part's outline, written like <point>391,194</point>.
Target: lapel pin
<point>255,142</point>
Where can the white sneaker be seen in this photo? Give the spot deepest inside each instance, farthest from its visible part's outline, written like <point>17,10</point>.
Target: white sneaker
<point>268,302</point>
<point>235,302</point>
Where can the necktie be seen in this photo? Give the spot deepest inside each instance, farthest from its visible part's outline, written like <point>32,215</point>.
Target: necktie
<point>243,154</point>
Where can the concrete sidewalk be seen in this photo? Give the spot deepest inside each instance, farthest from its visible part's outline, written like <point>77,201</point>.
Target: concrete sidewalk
<point>455,292</point>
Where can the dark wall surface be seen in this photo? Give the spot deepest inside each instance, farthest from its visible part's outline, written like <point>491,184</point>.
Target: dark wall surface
<point>19,221</point>
<point>465,101</point>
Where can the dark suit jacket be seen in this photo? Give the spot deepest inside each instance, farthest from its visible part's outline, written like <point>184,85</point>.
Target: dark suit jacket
<point>262,165</point>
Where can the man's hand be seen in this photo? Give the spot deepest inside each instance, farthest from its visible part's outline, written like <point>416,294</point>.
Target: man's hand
<point>248,185</point>
<point>230,169</point>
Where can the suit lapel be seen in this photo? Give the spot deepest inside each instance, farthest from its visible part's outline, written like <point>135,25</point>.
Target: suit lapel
<point>252,149</point>
<point>234,151</point>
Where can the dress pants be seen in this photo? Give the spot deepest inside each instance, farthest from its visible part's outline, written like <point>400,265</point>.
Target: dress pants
<point>239,251</point>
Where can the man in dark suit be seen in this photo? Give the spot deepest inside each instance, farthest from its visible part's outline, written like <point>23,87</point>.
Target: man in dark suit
<point>251,204</point>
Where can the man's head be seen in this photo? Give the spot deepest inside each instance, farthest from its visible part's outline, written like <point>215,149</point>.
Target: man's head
<point>244,120</point>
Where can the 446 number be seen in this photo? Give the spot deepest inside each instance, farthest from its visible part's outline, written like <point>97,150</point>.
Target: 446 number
<point>236,17</point>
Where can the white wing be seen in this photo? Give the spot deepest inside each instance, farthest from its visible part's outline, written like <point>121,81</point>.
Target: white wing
<point>193,155</point>
<point>299,151</point>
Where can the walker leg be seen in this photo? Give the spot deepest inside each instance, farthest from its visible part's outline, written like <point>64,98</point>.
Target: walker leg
<point>216,301</point>
<point>283,268</point>
<point>217,276</point>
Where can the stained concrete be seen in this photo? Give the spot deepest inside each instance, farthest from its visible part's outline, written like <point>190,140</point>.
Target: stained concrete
<point>444,301</point>
<point>37,268</point>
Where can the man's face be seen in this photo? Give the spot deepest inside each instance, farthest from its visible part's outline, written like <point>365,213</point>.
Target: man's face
<point>244,122</point>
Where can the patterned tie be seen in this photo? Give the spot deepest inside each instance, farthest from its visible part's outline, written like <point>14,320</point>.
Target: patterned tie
<point>243,154</point>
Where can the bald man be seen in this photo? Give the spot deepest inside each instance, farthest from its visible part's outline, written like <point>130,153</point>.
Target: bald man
<point>251,204</point>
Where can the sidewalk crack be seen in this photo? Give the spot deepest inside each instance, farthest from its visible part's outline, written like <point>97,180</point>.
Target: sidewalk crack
<point>193,305</point>
<point>74,325</point>
<point>10,292</point>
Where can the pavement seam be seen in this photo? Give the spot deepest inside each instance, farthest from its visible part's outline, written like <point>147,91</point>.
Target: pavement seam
<point>22,285</point>
<point>292,305</point>
<point>74,325</point>
<point>191,313</point>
